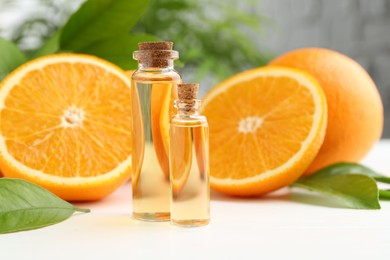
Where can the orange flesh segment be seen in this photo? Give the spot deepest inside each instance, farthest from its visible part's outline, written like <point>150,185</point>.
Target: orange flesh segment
<point>266,126</point>
<point>283,125</point>
<point>33,120</point>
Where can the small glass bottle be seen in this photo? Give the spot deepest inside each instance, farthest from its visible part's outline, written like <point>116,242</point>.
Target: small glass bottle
<point>153,93</point>
<point>189,161</point>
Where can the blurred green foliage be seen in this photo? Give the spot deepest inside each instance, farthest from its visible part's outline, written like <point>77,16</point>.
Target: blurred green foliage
<point>212,36</point>
<point>97,27</point>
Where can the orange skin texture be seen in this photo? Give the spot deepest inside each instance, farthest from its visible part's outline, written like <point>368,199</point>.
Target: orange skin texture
<point>355,109</point>
<point>76,192</point>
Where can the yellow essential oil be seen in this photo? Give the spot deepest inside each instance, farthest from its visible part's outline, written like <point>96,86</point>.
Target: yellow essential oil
<point>153,92</point>
<point>189,161</point>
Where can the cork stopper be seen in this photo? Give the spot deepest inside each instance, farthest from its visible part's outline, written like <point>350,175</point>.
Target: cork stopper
<point>187,97</point>
<point>187,91</point>
<point>156,54</point>
<point>155,46</point>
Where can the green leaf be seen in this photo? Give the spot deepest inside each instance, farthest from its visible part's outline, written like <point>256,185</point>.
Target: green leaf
<point>346,167</point>
<point>25,206</point>
<point>10,57</point>
<point>99,19</point>
<point>384,194</point>
<point>356,191</point>
<point>51,46</point>
<point>119,49</point>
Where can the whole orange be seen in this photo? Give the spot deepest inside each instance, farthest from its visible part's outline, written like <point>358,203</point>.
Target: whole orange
<point>355,110</point>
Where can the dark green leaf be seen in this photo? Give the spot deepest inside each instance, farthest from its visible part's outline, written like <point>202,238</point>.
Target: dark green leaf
<point>351,190</point>
<point>10,57</point>
<point>25,206</point>
<point>119,49</point>
<point>99,19</point>
<point>346,167</point>
<point>384,194</point>
<point>50,47</point>
<point>383,179</point>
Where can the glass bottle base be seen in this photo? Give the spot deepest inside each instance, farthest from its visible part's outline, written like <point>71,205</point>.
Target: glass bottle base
<point>190,222</point>
<point>154,217</point>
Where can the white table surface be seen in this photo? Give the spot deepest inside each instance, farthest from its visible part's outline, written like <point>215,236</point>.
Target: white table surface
<point>283,225</point>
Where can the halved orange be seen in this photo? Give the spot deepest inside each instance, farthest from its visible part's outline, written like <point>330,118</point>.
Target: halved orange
<point>65,124</point>
<point>266,127</point>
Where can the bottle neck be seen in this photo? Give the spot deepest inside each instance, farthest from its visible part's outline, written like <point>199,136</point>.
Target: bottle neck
<point>188,107</point>
<point>155,65</point>
<point>155,60</point>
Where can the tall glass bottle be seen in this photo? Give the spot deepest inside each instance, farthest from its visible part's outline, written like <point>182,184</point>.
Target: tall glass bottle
<point>153,92</point>
<point>189,161</point>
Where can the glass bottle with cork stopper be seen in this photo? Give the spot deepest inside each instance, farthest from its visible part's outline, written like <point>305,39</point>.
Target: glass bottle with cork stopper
<point>189,160</point>
<point>153,92</point>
